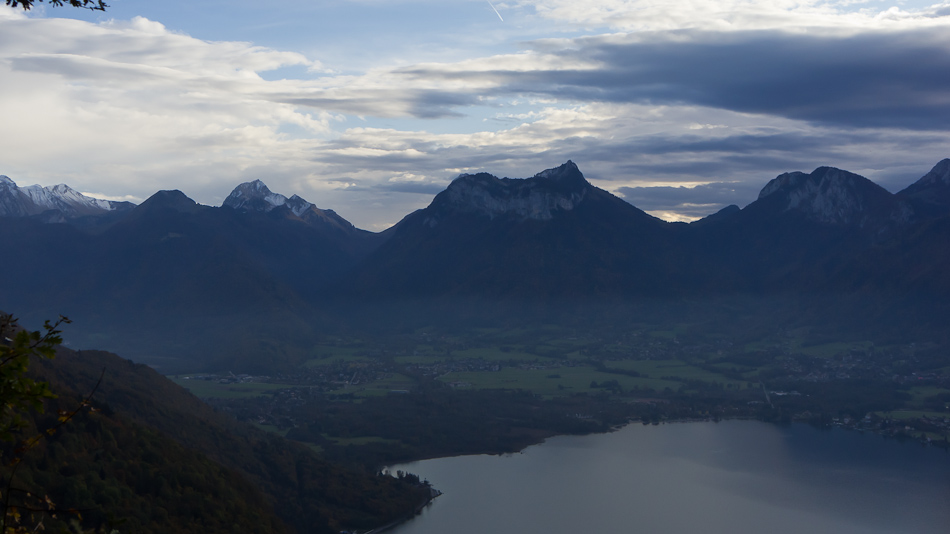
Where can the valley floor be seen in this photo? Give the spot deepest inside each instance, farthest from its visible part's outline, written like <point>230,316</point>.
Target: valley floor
<point>378,401</point>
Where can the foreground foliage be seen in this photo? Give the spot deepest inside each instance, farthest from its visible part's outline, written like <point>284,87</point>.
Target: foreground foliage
<point>94,5</point>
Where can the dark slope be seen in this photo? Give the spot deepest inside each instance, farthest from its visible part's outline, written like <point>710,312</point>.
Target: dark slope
<point>553,235</point>
<point>160,442</point>
<point>800,234</point>
<point>930,196</point>
<point>174,278</point>
<point>553,248</point>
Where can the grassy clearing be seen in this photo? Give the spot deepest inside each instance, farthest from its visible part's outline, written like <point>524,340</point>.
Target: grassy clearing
<point>901,415</point>
<point>330,359</point>
<point>497,354</point>
<point>758,346</point>
<point>206,389</point>
<point>673,368</point>
<point>749,373</point>
<point>419,359</point>
<point>830,350</point>
<point>327,354</point>
<point>553,382</point>
<point>665,334</point>
<point>920,394</point>
<point>382,387</point>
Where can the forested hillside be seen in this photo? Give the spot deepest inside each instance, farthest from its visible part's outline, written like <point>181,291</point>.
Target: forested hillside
<point>151,457</point>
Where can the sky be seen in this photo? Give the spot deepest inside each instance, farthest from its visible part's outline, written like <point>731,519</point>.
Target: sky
<point>371,107</point>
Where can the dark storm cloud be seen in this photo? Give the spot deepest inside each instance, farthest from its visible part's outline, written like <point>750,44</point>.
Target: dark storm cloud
<point>879,79</point>
<point>688,158</point>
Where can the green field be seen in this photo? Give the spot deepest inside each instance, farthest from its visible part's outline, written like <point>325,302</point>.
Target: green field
<point>673,368</point>
<point>382,387</point>
<point>829,350</point>
<point>553,382</point>
<point>920,394</point>
<point>355,350</point>
<point>912,414</point>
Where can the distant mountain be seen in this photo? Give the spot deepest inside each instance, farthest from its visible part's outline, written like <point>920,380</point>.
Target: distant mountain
<point>256,197</point>
<point>52,204</point>
<point>815,234</point>
<point>176,278</point>
<point>540,198</point>
<point>556,236</point>
<point>930,195</point>
<point>834,196</point>
<point>251,281</point>
<point>550,235</point>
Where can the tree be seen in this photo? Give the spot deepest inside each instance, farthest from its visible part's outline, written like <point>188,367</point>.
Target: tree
<point>94,5</point>
<point>18,394</point>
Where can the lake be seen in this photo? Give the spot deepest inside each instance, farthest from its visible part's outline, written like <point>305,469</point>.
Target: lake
<point>737,477</point>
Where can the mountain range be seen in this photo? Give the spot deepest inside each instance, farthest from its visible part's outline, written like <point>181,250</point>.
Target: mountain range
<point>58,203</point>
<point>243,282</point>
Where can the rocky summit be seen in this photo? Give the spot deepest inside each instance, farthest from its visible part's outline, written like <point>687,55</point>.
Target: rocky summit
<point>538,198</point>
<point>831,195</point>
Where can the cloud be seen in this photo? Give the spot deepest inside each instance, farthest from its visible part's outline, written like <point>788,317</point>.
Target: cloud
<point>730,15</point>
<point>662,117</point>
<point>873,79</point>
<point>689,203</point>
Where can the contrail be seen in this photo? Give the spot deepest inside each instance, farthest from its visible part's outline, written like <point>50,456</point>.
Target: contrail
<point>495,10</point>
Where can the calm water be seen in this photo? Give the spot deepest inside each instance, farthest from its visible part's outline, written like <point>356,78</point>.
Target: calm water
<point>737,477</point>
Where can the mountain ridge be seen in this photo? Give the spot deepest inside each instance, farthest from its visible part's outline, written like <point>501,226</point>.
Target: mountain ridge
<point>35,200</point>
<point>255,274</point>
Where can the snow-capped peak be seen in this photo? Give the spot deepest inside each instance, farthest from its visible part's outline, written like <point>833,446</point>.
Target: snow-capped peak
<point>255,196</point>
<point>35,199</point>
<point>298,205</point>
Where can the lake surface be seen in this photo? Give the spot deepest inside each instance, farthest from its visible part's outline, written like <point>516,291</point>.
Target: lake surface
<point>737,477</point>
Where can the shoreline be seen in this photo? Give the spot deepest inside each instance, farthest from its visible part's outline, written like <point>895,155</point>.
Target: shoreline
<point>433,493</point>
<point>853,425</point>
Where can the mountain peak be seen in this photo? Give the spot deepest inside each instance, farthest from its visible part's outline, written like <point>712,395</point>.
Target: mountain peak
<point>931,194</point>
<point>564,173</point>
<point>254,196</point>
<point>539,197</point>
<point>939,174</point>
<point>831,195</point>
<point>173,200</point>
<point>5,180</point>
